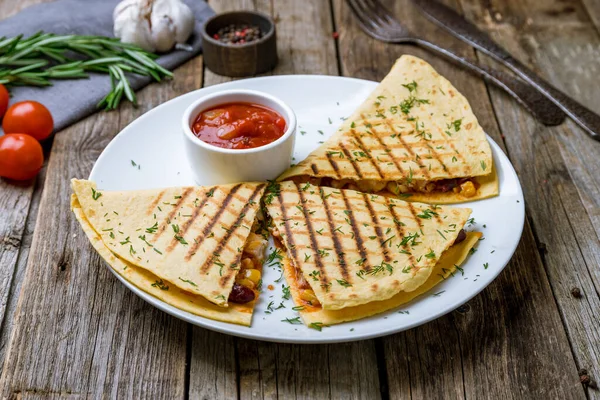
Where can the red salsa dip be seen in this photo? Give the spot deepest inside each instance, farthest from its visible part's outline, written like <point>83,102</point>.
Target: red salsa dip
<point>239,126</point>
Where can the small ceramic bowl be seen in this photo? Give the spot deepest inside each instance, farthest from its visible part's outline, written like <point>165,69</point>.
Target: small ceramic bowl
<point>212,165</point>
<point>245,59</point>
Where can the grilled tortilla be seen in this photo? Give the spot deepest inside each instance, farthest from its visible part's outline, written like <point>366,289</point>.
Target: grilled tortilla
<point>354,248</point>
<point>415,135</point>
<point>317,316</point>
<point>164,290</point>
<point>192,237</point>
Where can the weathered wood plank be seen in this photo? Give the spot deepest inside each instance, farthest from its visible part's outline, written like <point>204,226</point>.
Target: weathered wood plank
<point>77,330</point>
<point>593,9</point>
<point>14,288</point>
<point>481,352</point>
<point>258,369</point>
<point>558,167</point>
<point>15,202</point>
<point>15,207</point>
<point>267,370</point>
<point>212,358</point>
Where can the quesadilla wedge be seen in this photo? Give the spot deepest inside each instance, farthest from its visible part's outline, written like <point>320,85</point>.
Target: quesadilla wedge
<point>166,291</point>
<point>351,248</point>
<point>200,239</point>
<point>415,137</point>
<point>316,317</point>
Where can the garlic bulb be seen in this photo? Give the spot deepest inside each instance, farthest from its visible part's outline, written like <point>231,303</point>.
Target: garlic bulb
<point>154,25</point>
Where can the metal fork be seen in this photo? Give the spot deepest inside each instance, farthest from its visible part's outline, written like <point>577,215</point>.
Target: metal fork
<point>379,23</point>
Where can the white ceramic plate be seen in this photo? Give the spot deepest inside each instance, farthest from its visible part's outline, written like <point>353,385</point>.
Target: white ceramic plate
<point>154,142</point>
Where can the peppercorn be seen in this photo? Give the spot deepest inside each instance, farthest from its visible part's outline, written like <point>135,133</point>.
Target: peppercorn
<point>576,292</point>
<point>238,34</point>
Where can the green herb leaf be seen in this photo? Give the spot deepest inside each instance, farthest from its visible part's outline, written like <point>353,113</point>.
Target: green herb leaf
<point>95,194</point>
<point>160,284</point>
<point>343,283</point>
<point>190,282</point>
<point>317,325</point>
<point>293,321</point>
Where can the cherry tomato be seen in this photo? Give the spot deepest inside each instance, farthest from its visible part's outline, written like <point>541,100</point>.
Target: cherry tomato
<point>29,117</point>
<point>4,96</point>
<point>21,156</point>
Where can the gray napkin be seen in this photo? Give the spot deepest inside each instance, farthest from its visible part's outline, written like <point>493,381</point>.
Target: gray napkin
<point>71,100</point>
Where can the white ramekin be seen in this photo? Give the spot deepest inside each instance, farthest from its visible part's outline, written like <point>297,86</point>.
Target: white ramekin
<point>212,165</point>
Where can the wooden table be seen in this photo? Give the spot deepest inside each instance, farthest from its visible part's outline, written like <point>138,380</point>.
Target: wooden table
<point>70,329</point>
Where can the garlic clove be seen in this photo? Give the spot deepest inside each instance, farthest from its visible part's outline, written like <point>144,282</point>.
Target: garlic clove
<point>154,25</point>
<point>185,27</point>
<point>172,22</point>
<point>131,24</point>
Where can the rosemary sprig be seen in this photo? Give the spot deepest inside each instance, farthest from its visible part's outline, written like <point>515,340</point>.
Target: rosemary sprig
<point>36,60</point>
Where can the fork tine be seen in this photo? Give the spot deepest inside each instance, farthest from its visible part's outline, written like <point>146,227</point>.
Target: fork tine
<point>370,14</point>
<point>383,14</point>
<point>362,16</point>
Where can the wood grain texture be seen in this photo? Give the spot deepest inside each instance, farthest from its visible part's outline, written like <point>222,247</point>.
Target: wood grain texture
<point>14,287</point>
<point>15,211</point>
<point>15,202</point>
<point>558,167</point>
<point>472,354</point>
<point>213,369</point>
<point>77,331</point>
<point>593,9</point>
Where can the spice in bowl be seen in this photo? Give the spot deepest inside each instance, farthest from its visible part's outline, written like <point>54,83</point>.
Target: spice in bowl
<point>238,34</point>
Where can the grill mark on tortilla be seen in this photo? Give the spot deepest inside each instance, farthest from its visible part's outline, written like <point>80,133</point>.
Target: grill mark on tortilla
<point>164,226</point>
<point>292,246</point>
<point>289,268</point>
<point>421,144</point>
<point>206,230</point>
<point>237,225</point>
<point>437,157</point>
<point>437,217</point>
<point>461,157</point>
<point>313,240</point>
<point>314,168</point>
<point>226,247</point>
<point>357,237</point>
<point>362,148</point>
<point>231,271</point>
<point>400,230</point>
<point>404,145</point>
<point>188,223</point>
<point>288,231</point>
<point>399,158</point>
<point>414,214</point>
<point>336,242</point>
<point>352,161</point>
<point>378,232</point>
<point>154,203</point>
<point>300,219</point>
<point>387,151</point>
<point>333,164</point>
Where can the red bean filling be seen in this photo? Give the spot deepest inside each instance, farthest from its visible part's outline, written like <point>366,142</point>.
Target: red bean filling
<point>241,294</point>
<point>461,236</point>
